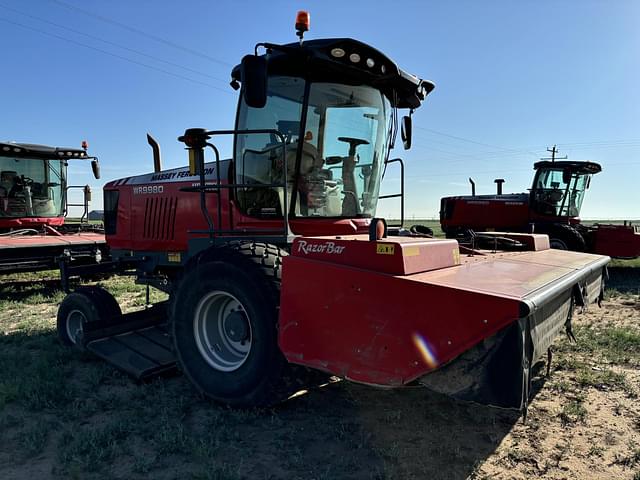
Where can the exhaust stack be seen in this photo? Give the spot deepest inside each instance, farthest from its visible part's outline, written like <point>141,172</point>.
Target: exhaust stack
<point>473,187</point>
<point>499,182</point>
<point>155,146</point>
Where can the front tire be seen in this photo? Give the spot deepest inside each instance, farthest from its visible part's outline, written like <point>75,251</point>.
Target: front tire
<point>225,325</point>
<point>563,237</point>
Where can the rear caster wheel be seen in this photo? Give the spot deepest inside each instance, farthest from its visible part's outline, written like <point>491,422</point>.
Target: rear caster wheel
<point>84,305</point>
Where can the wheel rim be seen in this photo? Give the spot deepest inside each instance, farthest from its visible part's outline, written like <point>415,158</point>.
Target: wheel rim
<point>557,244</point>
<point>222,331</point>
<point>74,323</point>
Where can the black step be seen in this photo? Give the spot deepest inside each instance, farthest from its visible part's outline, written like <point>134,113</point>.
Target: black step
<point>142,353</point>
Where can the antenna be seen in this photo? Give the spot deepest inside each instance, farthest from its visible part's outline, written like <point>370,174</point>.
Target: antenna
<point>553,157</point>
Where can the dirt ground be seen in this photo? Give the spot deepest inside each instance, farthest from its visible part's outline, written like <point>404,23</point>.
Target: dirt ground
<point>64,414</point>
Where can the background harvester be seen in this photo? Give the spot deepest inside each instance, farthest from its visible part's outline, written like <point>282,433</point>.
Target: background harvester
<point>34,203</point>
<point>274,263</point>
<point>552,206</point>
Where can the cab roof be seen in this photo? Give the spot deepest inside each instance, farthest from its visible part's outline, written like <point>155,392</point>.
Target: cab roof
<point>575,166</point>
<point>313,59</point>
<point>31,150</point>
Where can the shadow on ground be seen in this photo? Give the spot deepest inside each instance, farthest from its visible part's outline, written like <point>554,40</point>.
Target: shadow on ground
<point>624,279</point>
<point>18,290</point>
<point>67,414</point>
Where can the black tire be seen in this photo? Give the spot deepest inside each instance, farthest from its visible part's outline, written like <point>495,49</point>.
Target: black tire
<point>421,230</point>
<point>84,305</point>
<point>563,237</point>
<point>238,284</point>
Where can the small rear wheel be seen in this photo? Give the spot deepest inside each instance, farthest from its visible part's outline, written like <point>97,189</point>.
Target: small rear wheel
<point>84,305</point>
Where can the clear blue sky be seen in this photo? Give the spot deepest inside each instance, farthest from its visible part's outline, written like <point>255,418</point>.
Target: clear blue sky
<point>512,78</point>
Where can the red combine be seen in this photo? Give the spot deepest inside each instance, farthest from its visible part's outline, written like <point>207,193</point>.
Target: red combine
<point>274,263</point>
<point>33,206</point>
<point>552,206</point>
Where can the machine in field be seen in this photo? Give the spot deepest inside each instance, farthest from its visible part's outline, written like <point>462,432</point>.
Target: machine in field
<point>275,264</point>
<point>552,206</point>
<point>33,206</point>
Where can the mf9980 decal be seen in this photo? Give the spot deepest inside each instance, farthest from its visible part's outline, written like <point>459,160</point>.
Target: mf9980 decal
<point>148,190</point>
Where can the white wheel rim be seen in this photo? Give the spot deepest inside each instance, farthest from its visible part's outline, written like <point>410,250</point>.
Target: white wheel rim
<point>75,321</point>
<point>222,331</point>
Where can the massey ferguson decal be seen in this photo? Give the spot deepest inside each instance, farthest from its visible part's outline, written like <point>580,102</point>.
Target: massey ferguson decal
<point>325,247</point>
<point>180,174</point>
<point>157,177</point>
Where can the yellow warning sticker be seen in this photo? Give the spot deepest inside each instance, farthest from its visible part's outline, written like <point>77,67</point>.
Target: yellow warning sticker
<point>456,256</point>
<point>385,248</point>
<point>174,257</point>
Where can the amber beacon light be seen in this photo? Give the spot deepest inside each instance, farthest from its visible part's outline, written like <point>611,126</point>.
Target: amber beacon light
<point>303,20</point>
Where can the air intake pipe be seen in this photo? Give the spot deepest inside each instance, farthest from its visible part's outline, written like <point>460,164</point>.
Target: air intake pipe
<point>499,182</point>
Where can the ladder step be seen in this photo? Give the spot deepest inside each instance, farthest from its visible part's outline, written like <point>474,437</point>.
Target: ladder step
<point>142,353</point>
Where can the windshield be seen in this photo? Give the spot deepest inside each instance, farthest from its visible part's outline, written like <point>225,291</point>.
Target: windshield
<point>560,192</point>
<point>344,146</point>
<point>30,187</point>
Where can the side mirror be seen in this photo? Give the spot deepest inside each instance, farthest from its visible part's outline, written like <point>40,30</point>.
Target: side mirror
<point>588,182</point>
<point>333,160</point>
<point>405,132</point>
<point>95,166</point>
<point>566,175</point>
<point>253,75</point>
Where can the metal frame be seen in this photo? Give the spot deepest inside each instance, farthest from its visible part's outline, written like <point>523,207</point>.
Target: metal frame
<point>396,195</point>
<point>203,188</point>
<point>84,204</point>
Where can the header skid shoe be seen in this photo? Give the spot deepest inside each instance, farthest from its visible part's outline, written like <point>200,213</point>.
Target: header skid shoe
<point>392,312</point>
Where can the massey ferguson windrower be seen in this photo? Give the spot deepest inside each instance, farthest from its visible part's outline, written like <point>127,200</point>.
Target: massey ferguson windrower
<point>274,263</point>
<point>33,207</point>
<point>552,206</point>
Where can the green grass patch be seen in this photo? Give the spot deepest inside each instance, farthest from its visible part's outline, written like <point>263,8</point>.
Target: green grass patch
<point>573,411</point>
<point>91,449</point>
<point>615,344</point>
<point>620,263</point>
<point>431,223</point>
<point>35,379</point>
<point>32,439</point>
<point>604,380</point>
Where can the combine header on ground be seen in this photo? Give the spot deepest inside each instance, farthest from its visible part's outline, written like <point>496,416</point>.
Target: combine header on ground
<point>33,206</point>
<point>552,206</point>
<point>274,262</point>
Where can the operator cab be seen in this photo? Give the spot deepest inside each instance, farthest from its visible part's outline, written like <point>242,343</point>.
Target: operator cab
<point>558,187</point>
<point>33,182</point>
<point>334,103</point>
